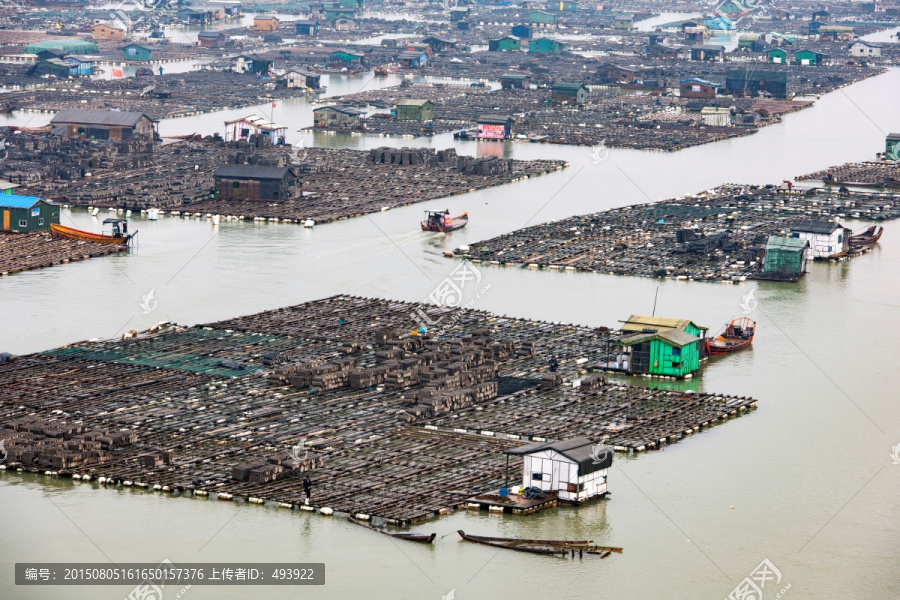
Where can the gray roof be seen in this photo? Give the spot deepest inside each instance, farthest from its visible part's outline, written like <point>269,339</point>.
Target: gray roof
<point>709,47</point>
<point>516,76</point>
<point>251,172</point>
<point>581,450</point>
<point>494,119</point>
<point>98,117</point>
<point>674,337</point>
<point>565,86</point>
<point>410,54</point>
<point>342,109</point>
<point>810,226</point>
<point>210,34</point>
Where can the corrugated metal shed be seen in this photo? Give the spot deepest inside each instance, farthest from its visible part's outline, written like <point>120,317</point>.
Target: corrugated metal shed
<point>98,117</point>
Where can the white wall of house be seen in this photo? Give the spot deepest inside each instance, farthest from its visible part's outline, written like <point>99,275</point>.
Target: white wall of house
<point>823,245</point>
<point>863,50</point>
<point>557,472</point>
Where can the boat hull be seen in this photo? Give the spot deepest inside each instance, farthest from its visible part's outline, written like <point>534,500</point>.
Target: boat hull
<point>410,537</point>
<point>549,547</point>
<point>61,231</point>
<point>737,335</point>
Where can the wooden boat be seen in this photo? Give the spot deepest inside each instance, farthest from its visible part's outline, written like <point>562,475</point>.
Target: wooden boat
<point>737,334</point>
<point>866,238</point>
<point>553,547</point>
<point>410,537</point>
<point>118,235</point>
<point>440,221</point>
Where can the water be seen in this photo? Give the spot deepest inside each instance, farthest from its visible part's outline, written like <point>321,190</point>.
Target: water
<point>808,475</point>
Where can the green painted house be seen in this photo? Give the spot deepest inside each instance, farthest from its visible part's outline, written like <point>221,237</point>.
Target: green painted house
<point>415,110</point>
<point>544,18</point>
<point>806,58</point>
<point>892,146</point>
<point>138,52</point>
<point>546,45</point>
<point>23,214</point>
<point>777,56</point>
<point>563,5</point>
<point>624,22</point>
<point>661,346</point>
<point>6,187</point>
<point>509,43</point>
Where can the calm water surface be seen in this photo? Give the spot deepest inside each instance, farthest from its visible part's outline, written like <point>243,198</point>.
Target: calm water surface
<point>806,481</point>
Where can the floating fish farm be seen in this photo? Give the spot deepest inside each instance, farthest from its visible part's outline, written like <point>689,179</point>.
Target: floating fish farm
<point>386,423</point>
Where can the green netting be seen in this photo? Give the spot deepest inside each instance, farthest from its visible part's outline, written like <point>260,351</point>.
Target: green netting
<point>70,46</point>
<point>183,362</point>
<point>784,255</point>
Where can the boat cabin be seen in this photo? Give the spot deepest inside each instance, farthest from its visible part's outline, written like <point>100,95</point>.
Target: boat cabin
<point>117,228</point>
<point>576,469</point>
<point>827,239</point>
<point>436,220</point>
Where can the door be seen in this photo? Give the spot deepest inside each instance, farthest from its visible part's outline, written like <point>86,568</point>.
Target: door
<point>5,220</point>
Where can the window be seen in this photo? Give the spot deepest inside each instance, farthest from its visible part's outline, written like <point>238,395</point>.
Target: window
<point>40,222</point>
<point>537,476</point>
<point>235,185</point>
<point>23,223</point>
<point>676,351</point>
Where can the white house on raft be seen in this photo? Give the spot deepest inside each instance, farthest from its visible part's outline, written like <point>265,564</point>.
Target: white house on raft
<point>827,239</point>
<point>575,468</point>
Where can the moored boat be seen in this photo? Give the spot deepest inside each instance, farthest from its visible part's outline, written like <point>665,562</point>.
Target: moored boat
<point>442,221</point>
<point>737,334</point>
<point>410,537</point>
<point>118,233</point>
<point>554,547</point>
<point>868,237</point>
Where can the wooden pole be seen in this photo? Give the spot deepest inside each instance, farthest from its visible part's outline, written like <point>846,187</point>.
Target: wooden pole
<point>506,477</point>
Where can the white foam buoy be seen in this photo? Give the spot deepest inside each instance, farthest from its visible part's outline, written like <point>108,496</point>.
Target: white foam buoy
<point>215,219</point>
<point>326,511</point>
<point>153,214</point>
<point>309,223</point>
<point>95,212</point>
